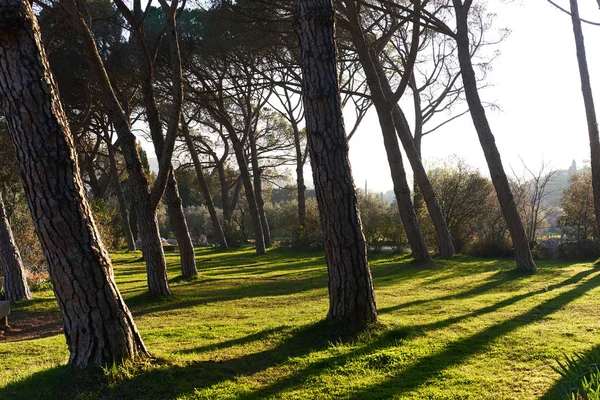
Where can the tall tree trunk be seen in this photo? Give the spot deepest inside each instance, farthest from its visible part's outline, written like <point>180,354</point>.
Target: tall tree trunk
<point>145,211</point>
<point>390,140</point>
<point>123,208</point>
<point>98,326</point>
<point>15,282</point>
<point>257,177</point>
<point>590,109</point>
<point>208,201</point>
<point>171,191</point>
<point>351,296</point>
<point>508,207</point>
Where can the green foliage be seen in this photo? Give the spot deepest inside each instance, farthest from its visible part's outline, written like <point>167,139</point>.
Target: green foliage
<point>469,203</point>
<point>285,228</point>
<point>108,222</point>
<point>381,223</point>
<point>577,202</point>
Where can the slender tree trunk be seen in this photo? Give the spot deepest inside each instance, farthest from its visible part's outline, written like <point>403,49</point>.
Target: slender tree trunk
<point>98,326</point>
<point>15,282</point>
<point>390,140</point>
<point>508,207</point>
<point>123,208</point>
<point>401,187</point>
<point>301,187</point>
<point>171,191</point>
<point>590,109</point>
<point>260,202</point>
<point>145,212</point>
<point>351,296</point>
<point>180,228</point>
<point>238,149</point>
<point>225,199</point>
<point>217,229</point>
<point>426,190</point>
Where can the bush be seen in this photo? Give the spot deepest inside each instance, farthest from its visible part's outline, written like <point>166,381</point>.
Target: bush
<point>108,222</point>
<point>381,223</point>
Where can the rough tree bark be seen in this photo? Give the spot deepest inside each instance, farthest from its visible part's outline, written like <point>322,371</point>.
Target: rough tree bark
<point>156,266</point>
<point>208,201</point>
<point>590,109</point>
<point>98,326</point>
<point>351,296</point>
<point>509,210</point>
<point>15,282</point>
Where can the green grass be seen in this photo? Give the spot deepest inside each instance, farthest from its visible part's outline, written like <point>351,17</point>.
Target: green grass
<point>252,327</point>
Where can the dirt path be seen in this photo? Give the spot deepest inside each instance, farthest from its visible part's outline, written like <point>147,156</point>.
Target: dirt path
<point>32,328</point>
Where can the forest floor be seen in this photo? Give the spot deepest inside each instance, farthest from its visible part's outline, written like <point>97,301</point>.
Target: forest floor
<point>253,327</point>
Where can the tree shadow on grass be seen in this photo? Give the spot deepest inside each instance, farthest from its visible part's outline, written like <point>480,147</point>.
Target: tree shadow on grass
<point>164,380</point>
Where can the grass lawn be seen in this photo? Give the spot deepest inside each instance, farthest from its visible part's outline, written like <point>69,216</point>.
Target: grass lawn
<point>252,327</point>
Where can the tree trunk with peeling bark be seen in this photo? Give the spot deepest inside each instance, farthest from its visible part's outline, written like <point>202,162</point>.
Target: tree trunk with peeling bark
<point>98,326</point>
<point>590,109</point>
<point>351,296</point>
<point>15,281</point>
<point>508,207</point>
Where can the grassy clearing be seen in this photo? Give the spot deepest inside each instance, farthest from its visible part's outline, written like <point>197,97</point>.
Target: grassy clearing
<point>252,327</point>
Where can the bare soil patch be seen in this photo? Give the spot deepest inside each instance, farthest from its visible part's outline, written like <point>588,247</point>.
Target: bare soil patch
<point>32,328</point>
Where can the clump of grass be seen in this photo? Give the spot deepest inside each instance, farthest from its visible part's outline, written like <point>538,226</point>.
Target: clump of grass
<point>580,374</point>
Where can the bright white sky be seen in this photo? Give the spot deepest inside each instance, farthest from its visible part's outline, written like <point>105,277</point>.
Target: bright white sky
<point>536,83</point>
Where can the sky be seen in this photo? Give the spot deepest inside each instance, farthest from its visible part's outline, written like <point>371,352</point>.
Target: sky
<point>535,82</point>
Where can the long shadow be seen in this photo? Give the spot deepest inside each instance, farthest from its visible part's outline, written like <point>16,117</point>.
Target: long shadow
<point>498,279</point>
<point>267,288</point>
<point>429,367</point>
<point>254,337</point>
<point>166,381</point>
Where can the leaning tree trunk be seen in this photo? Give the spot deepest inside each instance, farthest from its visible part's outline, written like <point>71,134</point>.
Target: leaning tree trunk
<point>590,109</point>
<point>148,231</point>
<point>426,190</point>
<point>509,210</point>
<point>123,209</point>
<point>15,282</point>
<point>351,296</point>
<point>208,201</point>
<point>260,201</point>
<point>98,326</point>
<point>171,192</point>
<point>238,149</point>
<point>392,148</point>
